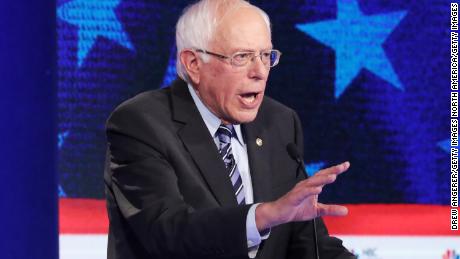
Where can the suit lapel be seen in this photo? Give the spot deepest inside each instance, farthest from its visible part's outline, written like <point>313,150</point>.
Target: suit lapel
<point>257,141</point>
<point>199,143</point>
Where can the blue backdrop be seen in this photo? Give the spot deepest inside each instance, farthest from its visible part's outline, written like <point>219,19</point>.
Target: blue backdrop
<point>369,79</point>
<point>28,193</point>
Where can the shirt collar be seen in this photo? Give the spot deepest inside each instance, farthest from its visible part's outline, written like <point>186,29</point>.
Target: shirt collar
<point>211,120</point>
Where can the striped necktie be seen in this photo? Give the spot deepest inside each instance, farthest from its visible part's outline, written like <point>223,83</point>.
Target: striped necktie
<point>224,133</point>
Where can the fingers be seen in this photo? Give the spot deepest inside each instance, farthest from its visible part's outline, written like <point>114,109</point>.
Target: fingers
<point>298,195</point>
<point>301,203</point>
<point>325,176</point>
<point>331,210</point>
<point>335,170</point>
<point>319,180</point>
<point>312,186</point>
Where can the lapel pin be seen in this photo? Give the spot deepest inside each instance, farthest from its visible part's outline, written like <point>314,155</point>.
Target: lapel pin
<point>259,142</point>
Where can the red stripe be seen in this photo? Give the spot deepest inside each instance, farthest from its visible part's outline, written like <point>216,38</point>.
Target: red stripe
<point>82,216</point>
<point>393,219</point>
<point>89,216</point>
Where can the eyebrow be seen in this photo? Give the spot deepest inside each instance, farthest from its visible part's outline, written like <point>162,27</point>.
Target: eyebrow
<point>250,50</point>
<point>245,50</point>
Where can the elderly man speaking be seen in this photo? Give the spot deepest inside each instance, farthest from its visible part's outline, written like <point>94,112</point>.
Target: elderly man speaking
<point>201,169</point>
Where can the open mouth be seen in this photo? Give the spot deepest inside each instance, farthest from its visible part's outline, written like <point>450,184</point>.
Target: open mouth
<point>250,100</point>
<point>249,97</point>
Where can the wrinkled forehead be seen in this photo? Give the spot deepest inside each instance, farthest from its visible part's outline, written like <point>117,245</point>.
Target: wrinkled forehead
<point>242,28</point>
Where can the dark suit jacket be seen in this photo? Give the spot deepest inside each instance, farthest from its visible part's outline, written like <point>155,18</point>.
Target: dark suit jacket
<point>168,195</point>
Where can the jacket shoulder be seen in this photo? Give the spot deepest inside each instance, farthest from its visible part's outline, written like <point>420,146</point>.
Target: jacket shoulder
<point>153,103</point>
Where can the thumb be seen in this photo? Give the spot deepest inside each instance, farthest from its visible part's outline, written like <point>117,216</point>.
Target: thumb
<point>331,210</point>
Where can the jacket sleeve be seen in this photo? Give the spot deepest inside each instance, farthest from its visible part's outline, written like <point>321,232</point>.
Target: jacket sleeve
<point>302,243</point>
<point>144,200</point>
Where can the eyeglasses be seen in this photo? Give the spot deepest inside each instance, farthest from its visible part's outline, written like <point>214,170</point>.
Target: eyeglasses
<point>269,57</point>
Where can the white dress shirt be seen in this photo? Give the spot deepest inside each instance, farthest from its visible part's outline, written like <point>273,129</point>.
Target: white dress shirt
<point>240,154</point>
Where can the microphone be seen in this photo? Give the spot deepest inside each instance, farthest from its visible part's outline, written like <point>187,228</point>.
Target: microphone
<point>295,155</point>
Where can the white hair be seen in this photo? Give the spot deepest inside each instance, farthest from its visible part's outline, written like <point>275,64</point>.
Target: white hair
<point>197,24</point>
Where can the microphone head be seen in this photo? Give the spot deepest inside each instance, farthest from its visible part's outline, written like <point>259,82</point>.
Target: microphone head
<point>293,151</point>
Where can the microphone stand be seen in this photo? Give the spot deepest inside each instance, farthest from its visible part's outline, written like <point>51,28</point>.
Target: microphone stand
<point>294,153</point>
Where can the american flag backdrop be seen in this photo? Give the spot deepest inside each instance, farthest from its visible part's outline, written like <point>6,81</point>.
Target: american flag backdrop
<point>370,81</point>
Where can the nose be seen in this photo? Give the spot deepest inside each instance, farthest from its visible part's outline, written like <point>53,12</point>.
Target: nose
<point>257,69</point>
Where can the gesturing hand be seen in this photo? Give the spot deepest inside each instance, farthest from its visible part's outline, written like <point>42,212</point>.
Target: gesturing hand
<point>301,202</point>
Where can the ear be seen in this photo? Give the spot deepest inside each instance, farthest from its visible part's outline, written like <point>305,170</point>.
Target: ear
<point>191,62</point>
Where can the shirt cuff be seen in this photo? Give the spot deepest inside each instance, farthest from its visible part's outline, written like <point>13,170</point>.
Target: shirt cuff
<point>253,236</point>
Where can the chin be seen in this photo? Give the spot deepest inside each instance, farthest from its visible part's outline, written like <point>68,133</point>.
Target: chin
<point>245,117</point>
